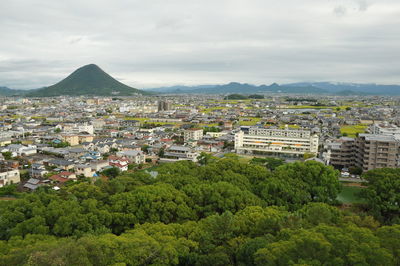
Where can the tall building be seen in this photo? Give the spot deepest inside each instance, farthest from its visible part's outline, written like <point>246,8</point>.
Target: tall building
<point>275,141</point>
<point>164,106</point>
<point>340,153</point>
<point>367,151</point>
<point>376,151</point>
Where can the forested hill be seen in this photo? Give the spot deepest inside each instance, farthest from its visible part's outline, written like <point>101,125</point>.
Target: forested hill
<point>87,80</point>
<point>222,212</point>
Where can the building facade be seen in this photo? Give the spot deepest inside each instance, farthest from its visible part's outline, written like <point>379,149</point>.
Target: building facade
<point>164,106</point>
<point>9,177</point>
<point>376,151</point>
<point>366,151</point>
<point>192,134</point>
<point>255,140</point>
<point>340,153</point>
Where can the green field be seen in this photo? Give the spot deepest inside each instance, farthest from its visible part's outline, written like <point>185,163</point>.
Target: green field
<point>251,121</point>
<point>351,131</point>
<point>349,195</point>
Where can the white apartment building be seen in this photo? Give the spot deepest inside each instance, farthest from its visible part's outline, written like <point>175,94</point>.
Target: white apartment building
<point>192,134</point>
<point>276,141</point>
<point>385,129</point>
<point>9,177</point>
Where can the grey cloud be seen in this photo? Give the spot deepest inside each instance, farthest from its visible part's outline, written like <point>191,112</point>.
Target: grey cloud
<point>158,42</point>
<point>340,11</point>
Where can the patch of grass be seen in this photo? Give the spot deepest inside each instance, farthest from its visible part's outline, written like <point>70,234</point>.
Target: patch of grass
<point>349,194</point>
<point>352,130</point>
<point>140,119</point>
<point>250,121</point>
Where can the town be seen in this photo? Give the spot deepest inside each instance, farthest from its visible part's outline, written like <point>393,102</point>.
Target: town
<point>51,141</point>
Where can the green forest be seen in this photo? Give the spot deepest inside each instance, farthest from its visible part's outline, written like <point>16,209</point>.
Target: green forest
<point>218,212</point>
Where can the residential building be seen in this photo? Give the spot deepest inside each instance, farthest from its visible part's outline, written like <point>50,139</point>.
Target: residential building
<point>19,150</point>
<point>9,177</point>
<point>84,169</point>
<point>119,162</point>
<point>164,106</point>
<point>134,156</point>
<point>71,139</point>
<point>376,151</point>
<point>258,140</point>
<point>340,153</point>
<point>192,134</point>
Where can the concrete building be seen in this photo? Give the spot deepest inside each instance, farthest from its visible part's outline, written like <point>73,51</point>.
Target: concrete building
<point>164,106</point>
<point>376,151</point>
<point>367,151</point>
<point>9,177</point>
<point>340,153</point>
<point>275,141</point>
<point>192,134</point>
<point>71,139</point>
<point>385,129</point>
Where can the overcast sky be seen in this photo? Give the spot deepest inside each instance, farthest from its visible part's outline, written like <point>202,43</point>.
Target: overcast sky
<point>151,43</point>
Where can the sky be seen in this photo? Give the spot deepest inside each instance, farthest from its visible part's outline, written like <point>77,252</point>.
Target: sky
<point>156,43</point>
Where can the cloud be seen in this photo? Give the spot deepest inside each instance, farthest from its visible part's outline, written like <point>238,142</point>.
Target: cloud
<point>340,11</point>
<point>158,42</point>
<point>363,5</point>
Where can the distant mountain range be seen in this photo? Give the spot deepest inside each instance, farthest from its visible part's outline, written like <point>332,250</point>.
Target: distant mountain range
<point>301,88</point>
<point>4,91</point>
<point>235,87</point>
<point>87,80</point>
<point>93,81</point>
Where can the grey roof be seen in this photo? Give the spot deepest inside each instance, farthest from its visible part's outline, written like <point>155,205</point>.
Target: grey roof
<point>33,181</point>
<point>374,137</point>
<point>30,186</point>
<point>179,148</point>
<point>60,162</point>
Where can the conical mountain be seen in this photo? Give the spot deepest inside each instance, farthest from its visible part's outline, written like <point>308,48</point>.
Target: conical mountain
<point>87,80</point>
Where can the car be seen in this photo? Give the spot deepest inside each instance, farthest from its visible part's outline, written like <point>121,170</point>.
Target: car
<point>345,174</point>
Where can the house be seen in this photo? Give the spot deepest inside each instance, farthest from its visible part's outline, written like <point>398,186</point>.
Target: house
<point>98,166</point>
<point>9,177</point>
<point>32,184</point>
<point>119,162</point>
<point>177,153</point>
<point>134,156</point>
<point>68,175</point>
<point>57,179</point>
<point>62,164</point>
<point>84,169</point>
<point>19,150</point>
<point>37,170</point>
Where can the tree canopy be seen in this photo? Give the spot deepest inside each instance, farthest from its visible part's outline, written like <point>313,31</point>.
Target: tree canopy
<point>219,212</point>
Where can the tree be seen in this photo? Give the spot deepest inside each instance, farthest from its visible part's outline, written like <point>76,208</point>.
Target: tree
<point>308,155</point>
<point>355,170</point>
<point>161,152</point>
<point>269,162</point>
<point>205,158</point>
<point>383,194</point>
<point>296,184</point>
<point>145,148</point>
<point>112,172</point>
<point>7,155</point>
